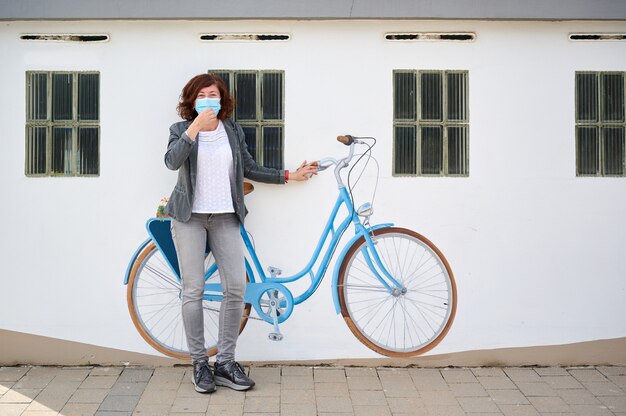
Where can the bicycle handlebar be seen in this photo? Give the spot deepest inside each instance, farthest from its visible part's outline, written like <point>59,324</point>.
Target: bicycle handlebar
<point>346,139</point>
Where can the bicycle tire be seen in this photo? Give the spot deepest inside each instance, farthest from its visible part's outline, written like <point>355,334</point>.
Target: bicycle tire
<point>418,319</point>
<point>154,297</point>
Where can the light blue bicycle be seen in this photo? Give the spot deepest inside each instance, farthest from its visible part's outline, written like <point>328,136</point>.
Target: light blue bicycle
<point>393,287</point>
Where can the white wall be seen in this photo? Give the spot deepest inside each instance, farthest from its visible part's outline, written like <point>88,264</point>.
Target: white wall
<point>538,253</point>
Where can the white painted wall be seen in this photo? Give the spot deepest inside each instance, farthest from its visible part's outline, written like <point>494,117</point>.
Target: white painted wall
<point>538,253</point>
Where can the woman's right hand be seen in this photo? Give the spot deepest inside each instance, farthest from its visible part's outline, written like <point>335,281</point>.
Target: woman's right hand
<point>205,121</point>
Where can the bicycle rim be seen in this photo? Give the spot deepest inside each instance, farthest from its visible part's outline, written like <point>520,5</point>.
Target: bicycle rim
<point>398,324</point>
<point>155,305</point>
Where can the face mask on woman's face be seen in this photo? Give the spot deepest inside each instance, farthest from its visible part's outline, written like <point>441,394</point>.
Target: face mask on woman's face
<point>204,103</point>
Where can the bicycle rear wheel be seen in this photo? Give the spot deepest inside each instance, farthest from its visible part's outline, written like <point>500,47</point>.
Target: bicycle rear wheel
<point>393,323</point>
<point>154,297</point>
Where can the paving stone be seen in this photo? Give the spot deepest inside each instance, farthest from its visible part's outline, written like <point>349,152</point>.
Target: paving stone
<point>47,404</point>
<point>265,374</point>
<point>591,410</point>
<point>296,382</point>
<point>159,385</point>
<point>518,410</point>
<point>535,389</point>
<point>109,413</point>
<point>106,371</point>
<point>197,404</point>
<point>605,388</point>
<point>19,395</point>
<point>12,409</point>
<point>119,403</point>
<point>89,396</point>
<point>587,374</point>
<point>488,372</point>
<point>427,379</point>
<point>12,373</point>
<point>72,374</point>
<point>551,371</point>
<point>371,410</point>
<point>368,397</point>
<point>264,390</point>
<point>35,381</point>
<point>152,409</point>
<point>135,375</point>
<point>444,410</point>
<point>458,376</point>
<point>128,389</point>
<point>614,403</point>
<point>468,390</point>
<point>612,370</point>
<point>577,396</point>
<point>225,409</point>
<point>412,405</point>
<point>161,397</point>
<point>329,375</point>
<point>620,381</point>
<point>522,374</point>
<point>261,405</point>
<point>98,382</point>
<point>298,397</point>
<point>332,389</point>
<point>361,372</point>
<point>562,382</point>
<point>438,398</point>
<point>295,409</point>
<point>5,386</point>
<point>334,404</point>
<point>550,404</point>
<point>296,371</point>
<point>80,409</point>
<point>496,383</point>
<point>507,397</point>
<point>364,383</point>
<point>477,404</point>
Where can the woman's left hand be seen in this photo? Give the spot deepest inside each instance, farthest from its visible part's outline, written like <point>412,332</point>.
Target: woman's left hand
<point>304,172</point>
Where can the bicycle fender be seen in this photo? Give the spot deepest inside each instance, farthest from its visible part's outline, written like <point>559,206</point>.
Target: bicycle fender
<point>133,258</point>
<point>333,285</point>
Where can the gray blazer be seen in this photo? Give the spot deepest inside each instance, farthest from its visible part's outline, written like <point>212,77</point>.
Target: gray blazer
<point>182,155</point>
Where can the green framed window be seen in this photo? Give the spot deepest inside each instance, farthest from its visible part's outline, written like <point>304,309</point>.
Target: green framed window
<point>431,123</point>
<point>600,124</point>
<point>62,123</point>
<point>259,109</point>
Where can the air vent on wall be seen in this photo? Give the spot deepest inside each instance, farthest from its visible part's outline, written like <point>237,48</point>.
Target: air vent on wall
<point>66,37</point>
<point>597,36</point>
<point>244,37</point>
<point>430,36</point>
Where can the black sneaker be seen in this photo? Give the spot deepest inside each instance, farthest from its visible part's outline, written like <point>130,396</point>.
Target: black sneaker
<point>202,377</point>
<point>230,374</point>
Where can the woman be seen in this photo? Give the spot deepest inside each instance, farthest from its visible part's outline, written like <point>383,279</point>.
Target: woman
<point>210,153</point>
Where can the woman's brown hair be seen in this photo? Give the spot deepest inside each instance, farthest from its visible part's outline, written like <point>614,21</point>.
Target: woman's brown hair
<point>186,108</point>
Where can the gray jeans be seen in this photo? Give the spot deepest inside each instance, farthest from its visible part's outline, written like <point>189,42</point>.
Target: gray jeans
<point>227,246</point>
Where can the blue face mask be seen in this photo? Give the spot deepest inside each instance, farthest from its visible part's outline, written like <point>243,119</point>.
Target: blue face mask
<point>204,103</point>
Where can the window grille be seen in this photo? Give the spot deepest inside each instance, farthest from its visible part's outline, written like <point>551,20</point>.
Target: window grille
<point>431,123</point>
<point>259,109</point>
<point>431,36</point>
<point>600,124</point>
<point>62,123</point>
<point>272,37</point>
<point>69,37</point>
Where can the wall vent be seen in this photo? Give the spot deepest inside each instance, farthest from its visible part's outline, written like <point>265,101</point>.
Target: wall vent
<point>596,36</point>
<point>245,37</point>
<point>430,36</point>
<point>67,37</point>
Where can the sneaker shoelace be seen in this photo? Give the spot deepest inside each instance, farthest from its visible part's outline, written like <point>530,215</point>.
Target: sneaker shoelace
<point>203,372</point>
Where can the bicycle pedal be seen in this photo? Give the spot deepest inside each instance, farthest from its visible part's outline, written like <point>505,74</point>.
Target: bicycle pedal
<point>275,336</point>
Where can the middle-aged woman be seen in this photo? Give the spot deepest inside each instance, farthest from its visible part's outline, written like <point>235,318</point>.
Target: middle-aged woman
<point>210,153</point>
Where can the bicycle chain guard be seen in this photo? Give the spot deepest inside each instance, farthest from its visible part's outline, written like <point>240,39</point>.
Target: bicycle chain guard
<point>273,302</point>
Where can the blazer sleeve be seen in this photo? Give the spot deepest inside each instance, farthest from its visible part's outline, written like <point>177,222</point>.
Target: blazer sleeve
<point>178,147</point>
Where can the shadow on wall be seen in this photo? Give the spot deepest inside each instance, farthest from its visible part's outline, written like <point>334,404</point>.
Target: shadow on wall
<point>21,348</point>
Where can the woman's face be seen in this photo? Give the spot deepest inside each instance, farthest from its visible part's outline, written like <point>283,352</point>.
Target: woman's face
<point>209,92</point>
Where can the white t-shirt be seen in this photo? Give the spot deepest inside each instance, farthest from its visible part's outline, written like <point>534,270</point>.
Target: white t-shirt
<point>215,165</point>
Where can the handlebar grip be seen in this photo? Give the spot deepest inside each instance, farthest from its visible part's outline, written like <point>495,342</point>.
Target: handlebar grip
<point>345,139</point>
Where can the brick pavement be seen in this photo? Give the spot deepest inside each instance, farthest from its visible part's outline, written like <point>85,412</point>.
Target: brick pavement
<point>303,391</point>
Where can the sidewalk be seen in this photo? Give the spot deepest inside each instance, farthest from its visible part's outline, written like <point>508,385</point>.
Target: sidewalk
<point>302,391</point>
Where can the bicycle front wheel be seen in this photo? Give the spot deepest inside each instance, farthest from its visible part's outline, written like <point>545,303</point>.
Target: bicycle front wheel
<point>154,297</point>
<point>407,321</point>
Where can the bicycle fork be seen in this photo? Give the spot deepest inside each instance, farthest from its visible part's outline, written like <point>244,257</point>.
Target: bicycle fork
<point>370,254</point>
